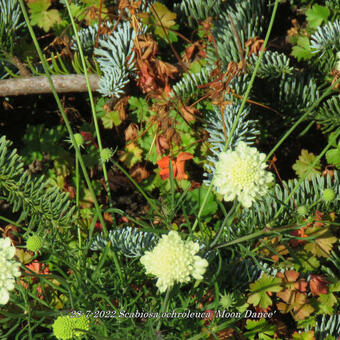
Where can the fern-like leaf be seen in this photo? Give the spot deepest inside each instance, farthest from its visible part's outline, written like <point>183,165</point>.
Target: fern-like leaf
<point>197,10</point>
<point>298,92</point>
<point>273,65</point>
<point>187,86</point>
<point>326,38</point>
<point>247,18</point>
<point>263,211</point>
<point>115,58</point>
<point>131,242</point>
<point>327,325</point>
<point>328,115</point>
<point>43,205</point>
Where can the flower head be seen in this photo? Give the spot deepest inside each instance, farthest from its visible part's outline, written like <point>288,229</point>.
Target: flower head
<point>64,327</point>
<point>241,173</point>
<point>34,243</point>
<point>328,195</point>
<point>106,154</point>
<point>9,269</point>
<point>174,260</point>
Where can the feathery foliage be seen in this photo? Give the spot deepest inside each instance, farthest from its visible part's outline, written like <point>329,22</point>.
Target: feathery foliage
<point>247,18</point>
<point>40,203</point>
<point>187,86</point>
<point>273,65</point>
<point>308,194</point>
<point>10,22</point>
<point>115,58</point>
<point>197,10</point>
<point>326,38</point>
<point>328,115</point>
<point>131,242</point>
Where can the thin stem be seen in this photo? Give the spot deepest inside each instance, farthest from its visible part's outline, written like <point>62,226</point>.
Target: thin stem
<point>163,308</point>
<point>93,109</point>
<point>226,222</point>
<point>67,123</point>
<point>254,235</point>
<point>302,179</point>
<point>77,203</point>
<point>244,100</point>
<point>302,118</point>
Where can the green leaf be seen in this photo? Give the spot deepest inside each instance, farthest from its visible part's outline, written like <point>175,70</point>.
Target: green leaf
<point>139,108</point>
<point>261,287</point>
<point>260,328</point>
<point>316,15</point>
<point>42,17</point>
<point>194,202</point>
<point>161,18</point>
<point>333,157</point>
<point>308,263</point>
<point>111,119</point>
<point>38,6</point>
<point>304,336</point>
<point>302,50</point>
<point>131,155</point>
<point>303,163</point>
<point>327,301</point>
<point>322,245</point>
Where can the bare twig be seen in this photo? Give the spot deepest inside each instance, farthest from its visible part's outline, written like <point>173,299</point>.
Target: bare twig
<point>37,85</point>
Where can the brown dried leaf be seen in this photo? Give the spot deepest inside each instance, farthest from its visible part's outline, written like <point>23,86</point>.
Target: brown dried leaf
<point>189,113</point>
<point>162,144</point>
<point>318,285</point>
<point>131,132</point>
<point>120,107</point>
<point>140,173</point>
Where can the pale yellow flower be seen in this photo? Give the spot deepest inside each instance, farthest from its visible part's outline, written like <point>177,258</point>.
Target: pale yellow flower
<point>9,269</point>
<point>174,260</point>
<point>241,174</point>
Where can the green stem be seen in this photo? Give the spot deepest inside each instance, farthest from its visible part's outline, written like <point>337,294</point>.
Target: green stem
<point>255,235</point>
<point>226,222</point>
<point>152,204</point>
<point>243,103</point>
<point>93,109</point>
<point>302,179</point>
<point>301,119</point>
<point>163,308</point>
<point>67,123</point>
<point>77,203</point>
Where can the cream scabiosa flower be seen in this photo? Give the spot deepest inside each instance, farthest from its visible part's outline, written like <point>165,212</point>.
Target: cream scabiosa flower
<point>174,260</point>
<point>241,173</point>
<point>9,269</point>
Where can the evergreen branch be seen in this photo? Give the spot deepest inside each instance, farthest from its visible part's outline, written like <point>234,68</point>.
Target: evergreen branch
<point>38,200</point>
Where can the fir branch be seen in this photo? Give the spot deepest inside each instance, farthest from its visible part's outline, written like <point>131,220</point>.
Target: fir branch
<point>40,202</point>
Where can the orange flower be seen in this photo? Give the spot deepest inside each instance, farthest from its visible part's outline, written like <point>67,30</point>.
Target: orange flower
<point>40,269</point>
<point>178,167</point>
<point>299,233</point>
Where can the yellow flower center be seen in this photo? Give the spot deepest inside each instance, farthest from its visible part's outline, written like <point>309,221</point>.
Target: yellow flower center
<point>243,173</point>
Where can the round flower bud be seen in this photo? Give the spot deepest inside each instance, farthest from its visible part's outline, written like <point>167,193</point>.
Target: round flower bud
<point>34,243</point>
<point>63,328</point>
<point>81,323</point>
<point>328,195</point>
<point>106,154</point>
<point>227,301</point>
<point>302,210</point>
<point>79,139</point>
